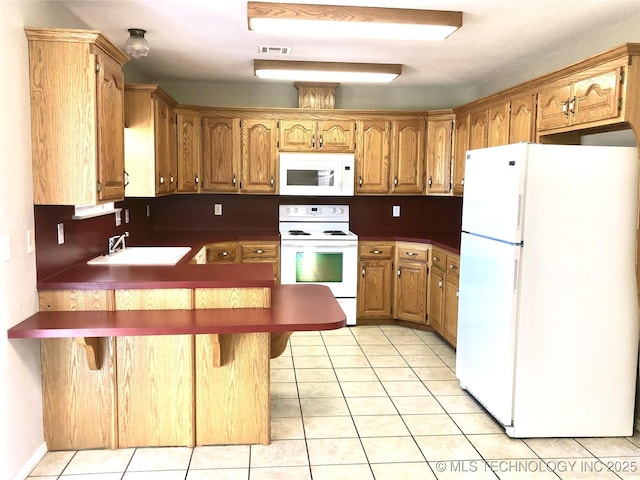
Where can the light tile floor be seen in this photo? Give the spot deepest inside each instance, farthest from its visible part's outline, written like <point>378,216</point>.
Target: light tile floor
<point>366,402</point>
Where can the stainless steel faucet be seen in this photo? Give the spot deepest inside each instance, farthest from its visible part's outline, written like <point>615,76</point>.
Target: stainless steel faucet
<point>115,242</point>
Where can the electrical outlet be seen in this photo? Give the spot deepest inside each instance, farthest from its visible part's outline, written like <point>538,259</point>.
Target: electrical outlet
<point>217,209</point>
<point>60,233</point>
<point>31,241</point>
<point>126,215</point>
<point>118,218</point>
<point>396,211</point>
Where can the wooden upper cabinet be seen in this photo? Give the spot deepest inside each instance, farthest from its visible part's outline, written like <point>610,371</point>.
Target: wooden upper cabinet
<point>151,160</point>
<point>522,122</point>
<point>220,154</point>
<point>594,100</point>
<point>188,138</point>
<point>460,147</point>
<point>478,129</point>
<point>498,124</point>
<point>407,155</point>
<point>77,117</point>
<point>439,139</point>
<point>310,135</point>
<point>372,156</point>
<point>259,156</point>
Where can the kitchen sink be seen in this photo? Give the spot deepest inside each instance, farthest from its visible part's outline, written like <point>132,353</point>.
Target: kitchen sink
<point>142,256</point>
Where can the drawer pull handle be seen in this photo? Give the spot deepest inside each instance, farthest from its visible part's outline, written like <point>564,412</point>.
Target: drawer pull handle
<point>411,254</point>
<point>259,251</point>
<point>453,267</point>
<point>376,252</point>
<point>436,259</point>
<point>223,254</point>
<point>363,272</point>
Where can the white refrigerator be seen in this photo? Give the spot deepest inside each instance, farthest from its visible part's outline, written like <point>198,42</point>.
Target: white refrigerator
<point>548,307</point>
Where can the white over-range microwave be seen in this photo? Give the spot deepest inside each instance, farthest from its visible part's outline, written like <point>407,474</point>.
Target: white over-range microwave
<point>321,174</point>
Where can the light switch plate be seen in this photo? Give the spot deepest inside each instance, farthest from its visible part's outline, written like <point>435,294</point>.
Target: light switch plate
<point>217,209</point>
<point>396,210</point>
<point>60,233</point>
<point>118,218</point>
<point>126,215</point>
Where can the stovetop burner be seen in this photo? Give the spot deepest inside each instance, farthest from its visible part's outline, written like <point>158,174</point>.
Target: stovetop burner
<point>298,232</point>
<point>334,232</point>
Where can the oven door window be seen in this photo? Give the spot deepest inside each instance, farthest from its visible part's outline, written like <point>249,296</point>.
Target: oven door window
<point>311,177</point>
<point>318,267</point>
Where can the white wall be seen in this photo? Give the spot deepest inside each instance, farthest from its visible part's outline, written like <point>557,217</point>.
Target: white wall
<point>21,437</point>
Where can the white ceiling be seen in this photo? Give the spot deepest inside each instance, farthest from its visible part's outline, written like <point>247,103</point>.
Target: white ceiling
<point>208,40</point>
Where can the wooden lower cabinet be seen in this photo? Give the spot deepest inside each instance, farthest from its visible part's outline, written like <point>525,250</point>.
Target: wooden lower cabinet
<point>375,282</point>
<point>443,294</point>
<point>410,299</point>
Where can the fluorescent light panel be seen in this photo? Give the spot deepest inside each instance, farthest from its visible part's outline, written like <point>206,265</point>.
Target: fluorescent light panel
<point>352,22</point>
<point>326,71</point>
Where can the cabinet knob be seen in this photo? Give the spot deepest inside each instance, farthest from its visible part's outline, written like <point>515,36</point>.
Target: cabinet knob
<point>453,267</point>
<point>313,141</point>
<point>271,181</point>
<point>170,179</point>
<point>440,283</point>
<point>430,180</point>
<point>411,254</point>
<point>320,142</point>
<point>462,181</point>
<point>223,254</point>
<point>376,252</point>
<point>395,181</point>
<point>161,180</point>
<point>398,273</point>
<point>436,259</point>
<point>360,181</point>
<point>259,251</point>
<point>363,271</point>
<point>196,180</point>
<point>572,105</point>
<point>233,181</point>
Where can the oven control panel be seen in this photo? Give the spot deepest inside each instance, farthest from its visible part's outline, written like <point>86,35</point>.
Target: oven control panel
<point>335,213</point>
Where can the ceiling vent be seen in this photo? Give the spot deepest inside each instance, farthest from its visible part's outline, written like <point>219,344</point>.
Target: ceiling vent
<point>275,50</point>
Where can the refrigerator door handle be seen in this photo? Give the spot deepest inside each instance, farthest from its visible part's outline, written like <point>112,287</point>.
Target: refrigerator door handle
<point>519,210</point>
<point>515,275</point>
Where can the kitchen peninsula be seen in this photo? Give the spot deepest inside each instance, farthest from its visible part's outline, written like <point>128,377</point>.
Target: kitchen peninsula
<point>179,355</point>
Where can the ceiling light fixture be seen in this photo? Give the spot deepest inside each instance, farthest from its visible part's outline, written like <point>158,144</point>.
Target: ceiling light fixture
<point>352,22</point>
<point>136,45</point>
<point>326,71</point>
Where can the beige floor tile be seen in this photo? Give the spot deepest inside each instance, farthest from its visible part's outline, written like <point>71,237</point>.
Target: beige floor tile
<point>580,469</point>
<point>405,339</point>
<point>435,373</point>
<point>162,458</point>
<point>282,375</point>
<point>280,453</point>
<point>99,461</point>
<point>315,375</point>
<point>284,390</point>
<point>52,463</point>
<point>430,338</point>
<point>370,350</point>
<point>219,474</point>
<point>404,471</point>
<point>280,473</point>
<point>337,350</point>
<point>309,350</point>
<point>323,407</point>
<point>88,476</point>
<point>392,450</point>
<point>557,448</point>
<point>472,423</point>
<point>406,389</point>
<point>307,333</point>
<point>303,361</point>
<point>340,340</point>
<point>363,389</point>
<point>157,475</point>
<point>342,472</point>
<point>420,349</point>
<point>627,468</point>
<point>459,404</point>
<point>635,439</point>
<point>387,361</point>
<point>395,374</point>
<point>610,447</point>
<point>442,349</point>
<point>336,332</point>
<point>373,340</point>
<point>329,427</point>
<point>335,451</point>
<point>444,387</point>
<point>500,446</point>
<point>319,389</point>
<point>371,406</point>
<point>380,426</point>
<point>283,361</point>
<point>116,476</point>
<point>447,447</point>
<point>463,470</point>
<point>424,360</point>
<point>285,407</point>
<point>296,340</point>
<point>286,428</point>
<point>350,361</point>
<point>356,375</point>
<point>448,359</point>
<point>417,405</point>
<point>438,424</point>
<point>366,330</point>
<point>525,469</point>
<point>220,456</point>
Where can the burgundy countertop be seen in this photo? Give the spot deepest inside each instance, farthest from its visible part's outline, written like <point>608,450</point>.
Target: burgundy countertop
<point>293,308</point>
<point>448,241</point>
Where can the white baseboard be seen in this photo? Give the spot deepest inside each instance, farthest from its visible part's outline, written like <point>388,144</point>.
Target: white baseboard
<point>32,462</point>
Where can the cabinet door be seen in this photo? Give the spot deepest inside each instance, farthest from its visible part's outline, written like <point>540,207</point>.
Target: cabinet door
<point>439,155</point>
<point>436,299</point>
<point>188,138</point>
<point>461,145</point>
<point>478,121</point>
<point>498,124</point>
<point>375,289</point>
<point>297,135</point>
<point>411,291</point>
<point>259,156</point>
<point>336,135</point>
<point>522,125</point>
<point>407,155</point>
<point>163,146</point>
<point>553,107</point>
<point>450,332</point>
<point>596,98</point>
<point>221,155</point>
<point>110,129</point>
<point>372,156</point>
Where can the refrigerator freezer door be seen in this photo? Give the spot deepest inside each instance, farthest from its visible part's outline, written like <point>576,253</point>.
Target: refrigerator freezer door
<point>487,309</point>
<point>493,192</point>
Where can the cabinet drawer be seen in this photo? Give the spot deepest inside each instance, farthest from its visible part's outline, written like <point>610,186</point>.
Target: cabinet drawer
<point>453,265</point>
<point>411,252</point>
<point>376,250</point>
<point>259,251</point>
<point>226,252</point>
<point>439,259</point>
